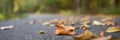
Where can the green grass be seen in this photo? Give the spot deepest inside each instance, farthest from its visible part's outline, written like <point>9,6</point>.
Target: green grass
<point>12,16</point>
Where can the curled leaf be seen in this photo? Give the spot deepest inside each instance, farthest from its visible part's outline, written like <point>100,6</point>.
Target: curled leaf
<point>103,38</point>
<point>42,32</point>
<point>7,27</point>
<point>85,26</point>
<point>110,23</point>
<point>95,22</point>
<point>113,29</point>
<point>86,35</point>
<point>61,29</point>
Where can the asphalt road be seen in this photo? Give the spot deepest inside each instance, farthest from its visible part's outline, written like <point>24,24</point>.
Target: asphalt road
<point>23,31</point>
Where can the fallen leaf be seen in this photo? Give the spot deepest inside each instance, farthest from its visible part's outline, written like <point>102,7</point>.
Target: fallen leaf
<point>86,35</point>
<point>107,18</point>
<point>45,23</point>
<point>95,22</point>
<point>42,32</point>
<point>113,29</point>
<point>103,38</point>
<point>61,29</point>
<point>85,26</point>
<point>54,21</point>
<point>7,27</point>
<point>110,23</point>
<point>86,22</point>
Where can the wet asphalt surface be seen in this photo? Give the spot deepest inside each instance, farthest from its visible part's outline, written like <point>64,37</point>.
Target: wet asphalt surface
<point>23,31</point>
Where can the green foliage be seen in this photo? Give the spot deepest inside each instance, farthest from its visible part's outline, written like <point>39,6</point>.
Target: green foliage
<point>21,7</point>
<point>2,17</point>
<point>115,11</point>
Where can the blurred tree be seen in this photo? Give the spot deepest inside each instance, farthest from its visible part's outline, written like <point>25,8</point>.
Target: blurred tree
<point>54,6</point>
<point>85,6</point>
<point>77,6</point>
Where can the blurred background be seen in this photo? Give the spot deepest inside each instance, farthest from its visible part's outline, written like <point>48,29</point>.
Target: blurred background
<point>10,9</point>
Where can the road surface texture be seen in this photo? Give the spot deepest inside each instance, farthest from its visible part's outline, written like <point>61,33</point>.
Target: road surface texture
<point>23,31</point>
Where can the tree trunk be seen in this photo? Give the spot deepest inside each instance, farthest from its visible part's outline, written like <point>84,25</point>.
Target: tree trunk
<point>77,6</point>
<point>85,6</point>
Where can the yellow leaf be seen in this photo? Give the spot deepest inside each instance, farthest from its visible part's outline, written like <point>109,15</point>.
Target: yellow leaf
<point>113,29</point>
<point>86,35</point>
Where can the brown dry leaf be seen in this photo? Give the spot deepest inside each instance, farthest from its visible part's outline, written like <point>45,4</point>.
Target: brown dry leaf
<point>61,29</point>
<point>110,23</point>
<point>54,21</point>
<point>85,26</point>
<point>113,29</point>
<point>103,38</point>
<point>107,18</point>
<point>42,32</point>
<point>86,35</point>
<point>86,22</point>
<point>85,19</point>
